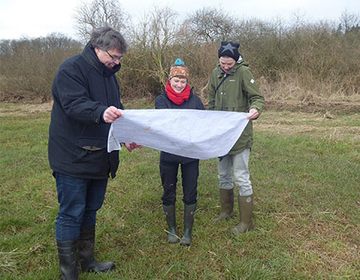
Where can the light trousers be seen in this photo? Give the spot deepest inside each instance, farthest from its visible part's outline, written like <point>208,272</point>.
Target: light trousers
<point>239,163</point>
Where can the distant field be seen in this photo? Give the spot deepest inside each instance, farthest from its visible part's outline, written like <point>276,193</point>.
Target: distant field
<point>304,168</point>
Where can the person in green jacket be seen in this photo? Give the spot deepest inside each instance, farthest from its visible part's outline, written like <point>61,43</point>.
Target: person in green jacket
<point>232,87</point>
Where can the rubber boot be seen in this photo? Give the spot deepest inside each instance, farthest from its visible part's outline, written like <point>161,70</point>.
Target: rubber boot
<point>227,205</point>
<point>189,211</point>
<point>86,252</point>
<point>68,252</point>
<point>246,207</point>
<point>171,221</point>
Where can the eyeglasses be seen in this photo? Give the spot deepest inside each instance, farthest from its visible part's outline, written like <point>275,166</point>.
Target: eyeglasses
<point>118,58</point>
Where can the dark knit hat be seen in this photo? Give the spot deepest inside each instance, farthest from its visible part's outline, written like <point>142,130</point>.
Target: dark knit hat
<point>229,49</point>
<point>178,69</point>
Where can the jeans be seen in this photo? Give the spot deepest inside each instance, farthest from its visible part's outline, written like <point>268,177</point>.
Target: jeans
<point>189,175</point>
<point>79,201</point>
<point>240,164</point>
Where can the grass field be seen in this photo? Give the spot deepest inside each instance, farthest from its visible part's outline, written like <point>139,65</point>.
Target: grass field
<point>305,172</point>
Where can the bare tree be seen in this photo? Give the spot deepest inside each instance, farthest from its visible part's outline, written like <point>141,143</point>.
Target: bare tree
<point>211,24</point>
<point>349,22</point>
<point>154,37</point>
<point>91,15</point>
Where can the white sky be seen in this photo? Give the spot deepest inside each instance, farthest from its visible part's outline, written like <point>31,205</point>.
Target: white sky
<point>35,18</point>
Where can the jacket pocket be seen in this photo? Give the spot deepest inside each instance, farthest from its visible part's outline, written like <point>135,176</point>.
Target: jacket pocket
<point>89,149</point>
<point>91,156</point>
<point>92,143</point>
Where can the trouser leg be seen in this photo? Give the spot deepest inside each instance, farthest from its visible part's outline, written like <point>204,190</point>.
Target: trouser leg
<point>225,172</point>
<point>79,200</point>
<point>241,173</point>
<point>189,176</point>
<point>245,198</point>
<point>72,201</point>
<point>168,174</point>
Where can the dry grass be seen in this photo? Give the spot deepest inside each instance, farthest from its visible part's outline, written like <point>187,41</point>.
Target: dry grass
<point>326,125</point>
<point>318,241</point>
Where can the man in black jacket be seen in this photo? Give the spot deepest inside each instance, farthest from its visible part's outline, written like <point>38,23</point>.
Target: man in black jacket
<point>86,101</point>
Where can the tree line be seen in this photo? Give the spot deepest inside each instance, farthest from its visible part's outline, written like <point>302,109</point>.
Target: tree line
<point>321,57</point>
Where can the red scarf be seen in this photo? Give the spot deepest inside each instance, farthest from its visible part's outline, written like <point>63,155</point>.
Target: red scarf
<point>177,98</point>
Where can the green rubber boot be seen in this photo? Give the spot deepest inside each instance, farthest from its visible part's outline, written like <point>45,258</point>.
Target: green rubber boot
<point>171,221</point>
<point>227,205</point>
<point>246,207</point>
<point>189,212</point>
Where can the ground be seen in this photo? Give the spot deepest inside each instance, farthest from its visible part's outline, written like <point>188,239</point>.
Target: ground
<point>282,117</point>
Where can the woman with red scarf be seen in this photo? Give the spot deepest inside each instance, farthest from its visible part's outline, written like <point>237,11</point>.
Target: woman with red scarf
<point>179,95</point>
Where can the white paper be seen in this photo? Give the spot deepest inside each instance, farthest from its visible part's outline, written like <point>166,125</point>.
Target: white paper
<point>198,134</point>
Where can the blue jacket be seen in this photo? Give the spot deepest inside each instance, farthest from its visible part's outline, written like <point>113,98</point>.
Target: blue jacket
<point>163,102</point>
<point>83,89</point>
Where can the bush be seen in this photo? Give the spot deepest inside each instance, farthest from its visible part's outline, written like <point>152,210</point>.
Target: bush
<point>28,66</point>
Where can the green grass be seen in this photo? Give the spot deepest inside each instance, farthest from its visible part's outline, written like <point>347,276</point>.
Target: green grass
<point>307,208</point>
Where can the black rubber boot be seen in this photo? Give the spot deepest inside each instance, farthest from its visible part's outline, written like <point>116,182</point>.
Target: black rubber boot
<point>189,212</point>
<point>171,221</point>
<point>86,252</point>
<point>68,252</point>
<point>227,205</point>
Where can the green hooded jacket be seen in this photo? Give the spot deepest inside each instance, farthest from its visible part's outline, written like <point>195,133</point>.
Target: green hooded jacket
<point>238,92</point>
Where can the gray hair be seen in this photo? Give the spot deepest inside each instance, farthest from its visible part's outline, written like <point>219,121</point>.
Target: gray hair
<point>107,38</point>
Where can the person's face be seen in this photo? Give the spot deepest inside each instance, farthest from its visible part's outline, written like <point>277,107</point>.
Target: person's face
<point>109,58</point>
<point>227,63</point>
<point>178,84</point>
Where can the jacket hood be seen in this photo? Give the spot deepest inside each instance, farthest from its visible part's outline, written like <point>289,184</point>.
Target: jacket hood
<point>91,57</point>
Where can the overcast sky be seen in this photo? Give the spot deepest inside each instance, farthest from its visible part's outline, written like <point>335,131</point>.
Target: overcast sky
<point>35,18</point>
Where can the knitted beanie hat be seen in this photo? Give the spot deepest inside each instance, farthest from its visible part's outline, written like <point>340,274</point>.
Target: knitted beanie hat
<point>229,49</point>
<point>178,69</point>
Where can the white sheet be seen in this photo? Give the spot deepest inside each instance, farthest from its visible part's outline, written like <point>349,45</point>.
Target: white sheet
<point>196,134</point>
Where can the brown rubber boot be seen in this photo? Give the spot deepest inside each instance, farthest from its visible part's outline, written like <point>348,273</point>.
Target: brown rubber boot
<point>246,207</point>
<point>227,205</point>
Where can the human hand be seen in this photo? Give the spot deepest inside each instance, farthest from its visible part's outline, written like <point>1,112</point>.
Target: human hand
<point>111,114</point>
<point>132,146</point>
<point>253,114</point>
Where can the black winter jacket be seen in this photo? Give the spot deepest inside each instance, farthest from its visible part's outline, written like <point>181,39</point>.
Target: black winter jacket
<point>83,89</point>
<point>163,102</point>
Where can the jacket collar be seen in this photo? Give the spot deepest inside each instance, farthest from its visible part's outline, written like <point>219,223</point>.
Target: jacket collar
<point>91,58</point>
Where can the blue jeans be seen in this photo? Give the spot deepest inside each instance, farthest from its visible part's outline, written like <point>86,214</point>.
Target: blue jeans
<point>79,201</point>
